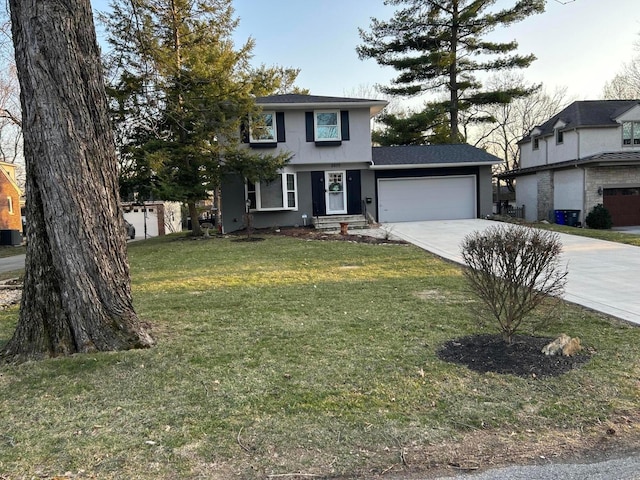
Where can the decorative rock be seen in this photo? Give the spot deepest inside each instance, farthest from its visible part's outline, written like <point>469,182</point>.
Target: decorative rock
<point>565,344</point>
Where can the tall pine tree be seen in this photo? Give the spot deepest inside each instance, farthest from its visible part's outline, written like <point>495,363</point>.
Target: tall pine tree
<point>441,45</point>
<point>181,90</point>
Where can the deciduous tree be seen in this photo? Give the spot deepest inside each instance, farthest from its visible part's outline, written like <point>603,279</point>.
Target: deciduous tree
<point>77,295</point>
<point>513,121</point>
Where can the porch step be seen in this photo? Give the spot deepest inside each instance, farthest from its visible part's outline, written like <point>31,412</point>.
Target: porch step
<point>332,222</point>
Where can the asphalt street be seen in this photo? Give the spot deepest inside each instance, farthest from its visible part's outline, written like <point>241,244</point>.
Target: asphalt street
<point>8,264</point>
<point>620,469</point>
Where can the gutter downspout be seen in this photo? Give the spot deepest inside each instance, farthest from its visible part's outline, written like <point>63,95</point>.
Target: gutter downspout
<point>584,182</point>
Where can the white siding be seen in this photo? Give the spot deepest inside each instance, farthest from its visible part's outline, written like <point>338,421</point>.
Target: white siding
<point>356,149</point>
<point>527,195</point>
<point>568,189</point>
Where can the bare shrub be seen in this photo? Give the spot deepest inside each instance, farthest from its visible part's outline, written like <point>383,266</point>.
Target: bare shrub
<point>513,269</point>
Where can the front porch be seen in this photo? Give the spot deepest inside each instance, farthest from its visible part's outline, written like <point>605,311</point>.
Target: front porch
<point>332,222</point>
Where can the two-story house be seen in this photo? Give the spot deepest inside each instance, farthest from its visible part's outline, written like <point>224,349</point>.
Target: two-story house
<point>335,174</point>
<point>588,154</point>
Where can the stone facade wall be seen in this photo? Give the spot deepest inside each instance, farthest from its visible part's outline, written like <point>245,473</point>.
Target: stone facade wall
<point>545,194</point>
<point>608,177</point>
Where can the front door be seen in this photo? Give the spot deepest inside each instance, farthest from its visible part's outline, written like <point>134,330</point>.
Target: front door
<point>336,192</point>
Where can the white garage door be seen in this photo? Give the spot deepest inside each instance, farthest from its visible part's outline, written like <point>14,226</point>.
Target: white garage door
<point>426,198</point>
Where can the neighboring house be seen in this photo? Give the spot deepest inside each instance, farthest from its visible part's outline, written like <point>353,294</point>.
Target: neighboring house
<point>588,154</point>
<point>336,176</point>
<point>10,215</point>
<point>152,219</point>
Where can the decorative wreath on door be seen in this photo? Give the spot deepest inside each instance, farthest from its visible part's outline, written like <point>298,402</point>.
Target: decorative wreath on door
<point>335,187</point>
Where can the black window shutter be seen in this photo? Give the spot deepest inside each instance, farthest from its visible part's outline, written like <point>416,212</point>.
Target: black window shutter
<point>308,116</point>
<point>344,124</point>
<point>244,132</point>
<point>280,127</point>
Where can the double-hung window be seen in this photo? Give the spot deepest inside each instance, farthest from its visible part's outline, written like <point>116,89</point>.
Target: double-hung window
<point>327,125</point>
<point>280,193</point>
<point>263,128</point>
<point>631,134</point>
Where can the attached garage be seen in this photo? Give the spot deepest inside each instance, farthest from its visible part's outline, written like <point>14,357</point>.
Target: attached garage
<point>427,198</point>
<point>432,182</point>
<point>623,205</point>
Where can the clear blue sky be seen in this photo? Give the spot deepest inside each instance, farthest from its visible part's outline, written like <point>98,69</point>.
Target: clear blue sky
<point>580,44</point>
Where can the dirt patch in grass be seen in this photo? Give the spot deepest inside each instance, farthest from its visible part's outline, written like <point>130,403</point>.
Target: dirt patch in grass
<point>481,450</point>
<point>524,357</point>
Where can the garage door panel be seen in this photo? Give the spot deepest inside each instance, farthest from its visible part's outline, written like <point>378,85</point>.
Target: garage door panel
<point>426,198</point>
<point>623,205</point>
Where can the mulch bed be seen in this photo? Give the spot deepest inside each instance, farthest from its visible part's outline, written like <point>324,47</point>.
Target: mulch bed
<point>313,234</point>
<point>523,358</point>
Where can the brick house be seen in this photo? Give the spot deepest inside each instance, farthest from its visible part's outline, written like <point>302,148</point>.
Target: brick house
<point>588,154</point>
<point>10,214</point>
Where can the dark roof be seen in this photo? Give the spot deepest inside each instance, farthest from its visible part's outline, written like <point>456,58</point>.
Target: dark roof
<point>587,113</point>
<point>431,155</point>
<point>296,98</point>
<point>599,159</point>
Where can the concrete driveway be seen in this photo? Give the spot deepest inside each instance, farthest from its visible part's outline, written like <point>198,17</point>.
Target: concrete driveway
<point>602,276</point>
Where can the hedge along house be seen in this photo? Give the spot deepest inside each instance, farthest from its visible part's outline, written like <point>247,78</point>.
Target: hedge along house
<point>588,154</point>
<point>336,176</point>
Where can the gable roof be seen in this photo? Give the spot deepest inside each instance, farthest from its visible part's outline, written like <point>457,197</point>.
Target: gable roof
<point>628,158</point>
<point>8,170</point>
<point>586,113</point>
<point>289,100</point>
<point>430,156</point>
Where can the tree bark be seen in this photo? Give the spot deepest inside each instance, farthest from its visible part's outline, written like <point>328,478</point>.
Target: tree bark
<point>77,292</point>
<point>196,231</point>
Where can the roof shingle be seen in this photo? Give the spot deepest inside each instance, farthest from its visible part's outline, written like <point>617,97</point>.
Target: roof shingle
<point>459,153</point>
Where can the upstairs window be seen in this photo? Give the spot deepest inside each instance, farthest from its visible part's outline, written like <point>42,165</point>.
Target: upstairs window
<point>263,128</point>
<point>10,205</point>
<point>278,194</point>
<point>559,137</point>
<point>536,143</point>
<point>327,126</point>
<point>631,134</point>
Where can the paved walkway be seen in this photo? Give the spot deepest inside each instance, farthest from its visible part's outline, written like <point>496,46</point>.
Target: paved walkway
<point>602,276</point>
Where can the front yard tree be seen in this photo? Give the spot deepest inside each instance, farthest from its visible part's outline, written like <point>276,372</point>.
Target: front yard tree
<point>77,295</point>
<point>439,46</point>
<point>181,90</point>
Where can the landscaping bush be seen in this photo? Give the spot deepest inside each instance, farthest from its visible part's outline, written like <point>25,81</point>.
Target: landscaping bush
<point>599,218</point>
<point>512,270</point>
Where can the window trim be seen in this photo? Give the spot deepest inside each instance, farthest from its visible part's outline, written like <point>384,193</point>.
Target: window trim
<point>634,138</point>
<point>10,205</point>
<point>255,193</point>
<point>559,137</point>
<point>338,126</point>
<point>274,127</point>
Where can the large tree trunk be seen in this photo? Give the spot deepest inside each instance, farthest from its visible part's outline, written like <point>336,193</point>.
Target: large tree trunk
<point>77,293</point>
<point>196,231</point>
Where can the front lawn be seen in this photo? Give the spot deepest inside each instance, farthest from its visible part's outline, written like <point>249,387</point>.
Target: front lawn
<point>294,356</point>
